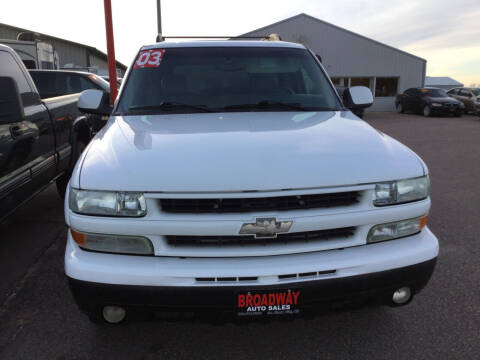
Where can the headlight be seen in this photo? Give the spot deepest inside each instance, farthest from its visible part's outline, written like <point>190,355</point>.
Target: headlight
<point>401,191</point>
<point>119,244</point>
<point>395,230</point>
<point>436,104</point>
<point>106,203</point>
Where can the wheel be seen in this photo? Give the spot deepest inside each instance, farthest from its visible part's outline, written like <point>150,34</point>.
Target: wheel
<point>458,114</point>
<point>63,180</point>
<point>400,108</point>
<point>427,111</point>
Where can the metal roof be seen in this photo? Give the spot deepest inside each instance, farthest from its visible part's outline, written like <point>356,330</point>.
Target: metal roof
<point>337,28</point>
<point>441,80</point>
<point>92,49</point>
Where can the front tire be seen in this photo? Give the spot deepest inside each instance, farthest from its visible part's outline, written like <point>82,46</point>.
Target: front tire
<point>427,111</point>
<point>458,114</point>
<point>400,108</point>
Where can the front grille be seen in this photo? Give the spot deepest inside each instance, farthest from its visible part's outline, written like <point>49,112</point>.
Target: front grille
<point>248,279</point>
<point>227,279</point>
<point>297,202</point>
<point>247,240</point>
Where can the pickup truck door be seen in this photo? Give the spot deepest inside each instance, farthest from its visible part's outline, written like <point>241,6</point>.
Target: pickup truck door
<point>27,146</point>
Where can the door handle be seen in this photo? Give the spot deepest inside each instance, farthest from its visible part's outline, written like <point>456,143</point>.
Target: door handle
<point>20,130</point>
<point>15,131</point>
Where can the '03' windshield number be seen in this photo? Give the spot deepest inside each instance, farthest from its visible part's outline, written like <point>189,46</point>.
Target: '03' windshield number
<point>149,58</point>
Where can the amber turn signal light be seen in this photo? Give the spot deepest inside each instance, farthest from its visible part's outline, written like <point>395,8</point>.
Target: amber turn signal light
<point>79,238</point>
<point>423,222</point>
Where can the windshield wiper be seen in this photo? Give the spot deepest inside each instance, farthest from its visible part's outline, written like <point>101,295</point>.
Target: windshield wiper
<point>168,106</point>
<point>268,104</point>
<point>265,104</point>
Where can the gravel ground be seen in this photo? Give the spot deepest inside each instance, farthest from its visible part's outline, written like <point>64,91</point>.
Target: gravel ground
<point>38,319</point>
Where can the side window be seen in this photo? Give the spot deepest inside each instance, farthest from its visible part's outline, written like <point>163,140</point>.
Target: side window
<point>410,92</point>
<point>49,84</point>
<point>9,67</point>
<point>453,92</point>
<point>45,84</point>
<point>77,83</point>
<point>464,92</point>
<point>86,84</point>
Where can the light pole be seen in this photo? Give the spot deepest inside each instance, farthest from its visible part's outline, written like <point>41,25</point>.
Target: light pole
<point>159,20</point>
<point>112,68</point>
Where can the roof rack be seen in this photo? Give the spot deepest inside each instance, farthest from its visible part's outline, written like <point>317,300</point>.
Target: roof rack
<point>271,37</point>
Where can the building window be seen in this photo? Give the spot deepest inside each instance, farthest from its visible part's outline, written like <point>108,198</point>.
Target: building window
<point>360,81</point>
<point>386,87</point>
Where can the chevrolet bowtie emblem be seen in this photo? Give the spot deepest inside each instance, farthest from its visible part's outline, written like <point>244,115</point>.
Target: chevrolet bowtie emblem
<point>265,228</point>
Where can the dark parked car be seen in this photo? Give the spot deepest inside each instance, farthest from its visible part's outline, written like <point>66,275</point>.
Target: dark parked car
<point>40,139</point>
<point>469,96</point>
<point>51,83</point>
<point>428,101</point>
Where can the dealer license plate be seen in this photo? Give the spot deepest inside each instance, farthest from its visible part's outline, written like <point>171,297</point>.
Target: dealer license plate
<point>271,302</point>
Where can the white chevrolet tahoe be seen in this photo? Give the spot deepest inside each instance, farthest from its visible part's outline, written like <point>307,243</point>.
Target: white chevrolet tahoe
<point>231,179</point>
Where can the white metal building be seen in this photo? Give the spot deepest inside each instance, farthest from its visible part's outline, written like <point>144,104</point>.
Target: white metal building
<point>352,59</point>
<point>442,82</point>
<point>71,54</point>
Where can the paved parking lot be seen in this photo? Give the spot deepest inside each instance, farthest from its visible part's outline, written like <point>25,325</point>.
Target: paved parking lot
<point>38,319</point>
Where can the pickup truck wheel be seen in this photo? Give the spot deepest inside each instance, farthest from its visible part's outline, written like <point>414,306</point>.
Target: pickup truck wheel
<point>400,108</point>
<point>427,111</point>
<point>63,180</point>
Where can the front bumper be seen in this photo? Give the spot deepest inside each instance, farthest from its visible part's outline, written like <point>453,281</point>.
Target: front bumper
<point>447,110</point>
<point>374,288</point>
<point>368,273</point>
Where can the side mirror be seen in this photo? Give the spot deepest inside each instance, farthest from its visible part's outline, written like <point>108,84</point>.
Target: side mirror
<point>357,97</point>
<point>94,102</point>
<point>11,104</point>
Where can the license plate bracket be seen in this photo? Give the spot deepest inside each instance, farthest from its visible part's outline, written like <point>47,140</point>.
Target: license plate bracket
<point>268,302</point>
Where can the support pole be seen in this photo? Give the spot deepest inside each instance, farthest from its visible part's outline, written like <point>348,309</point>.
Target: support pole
<point>159,18</point>
<point>112,68</point>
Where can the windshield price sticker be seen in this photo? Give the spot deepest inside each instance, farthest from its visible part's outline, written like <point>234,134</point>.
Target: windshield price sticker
<point>149,58</point>
<point>268,303</point>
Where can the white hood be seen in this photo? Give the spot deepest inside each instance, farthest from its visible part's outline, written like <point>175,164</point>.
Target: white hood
<point>215,152</point>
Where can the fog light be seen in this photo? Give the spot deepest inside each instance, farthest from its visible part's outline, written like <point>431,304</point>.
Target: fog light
<point>114,314</point>
<point>402,295</point>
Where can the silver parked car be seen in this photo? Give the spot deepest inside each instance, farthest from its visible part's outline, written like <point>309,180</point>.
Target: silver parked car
<point>469,96</point>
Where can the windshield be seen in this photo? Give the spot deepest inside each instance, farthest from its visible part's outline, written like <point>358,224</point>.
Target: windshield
<point>476,92</point>
<point>434,92</point>
<point>226,79</point>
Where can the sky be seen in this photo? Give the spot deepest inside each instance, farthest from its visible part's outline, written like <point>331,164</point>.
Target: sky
<point>444,32</point>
